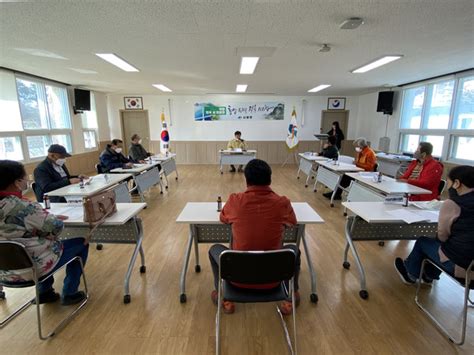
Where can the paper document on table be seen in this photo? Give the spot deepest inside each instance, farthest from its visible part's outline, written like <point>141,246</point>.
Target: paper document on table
<point>368,175</point>
<point>238,150</point>
<point>434,205</point>
<point>410,216</point>
<point>74,213</point>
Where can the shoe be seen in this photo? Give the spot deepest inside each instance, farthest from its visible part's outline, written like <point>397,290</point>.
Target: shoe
<point>402,272</point>
<point>240,170</point>
<point>232,170</point>
<point>227,306</point>
<point>77,297</point>
<point>328,194</point>
<point>337,197</point>
<point>286,307</point>
<point>48,297</point>
<point>425,280</point>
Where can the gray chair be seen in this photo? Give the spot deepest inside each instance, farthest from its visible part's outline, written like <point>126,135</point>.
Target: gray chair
<point>13,256</point>
<point>249,267</point>
<point>468,285</point>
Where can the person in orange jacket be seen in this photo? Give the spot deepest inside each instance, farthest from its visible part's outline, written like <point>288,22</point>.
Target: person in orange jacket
<point>366,158</point>
<point>424,172</point>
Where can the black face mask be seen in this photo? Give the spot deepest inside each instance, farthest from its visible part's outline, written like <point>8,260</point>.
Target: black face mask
<point>452,193</point>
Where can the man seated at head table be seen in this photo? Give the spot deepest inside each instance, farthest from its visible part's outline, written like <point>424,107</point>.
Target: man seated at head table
<point>258,217</point>
<point>29,224</point>
<point>112,157</point>
<point>237,143</point>
<point>424,172</point>
<point>330,149</point>
<point>453,247</point>
<point>136,151</point>
<point>365,159</point>
<point>52,174</point>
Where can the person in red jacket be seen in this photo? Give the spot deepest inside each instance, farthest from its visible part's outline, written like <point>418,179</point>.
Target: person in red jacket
<point>424,172</point>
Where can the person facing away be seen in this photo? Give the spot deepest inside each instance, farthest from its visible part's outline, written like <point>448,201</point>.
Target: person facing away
<point>258,217</point>
<point>424,172</point>
<point>136,150</point>
<point>112,157</point>
<point>52,173</point>
<point>366,158</point>
<point>38,231</point>
<point>336,131</point>
<point>330,149</point>
<point>236,143</point>
<point>453,248</point>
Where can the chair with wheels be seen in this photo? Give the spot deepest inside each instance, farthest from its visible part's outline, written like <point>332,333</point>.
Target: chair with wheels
<point>13,256</point>
<point>468,285</point>
<point>257,267</point>
<point>99,169</point>
<point>37,193</point>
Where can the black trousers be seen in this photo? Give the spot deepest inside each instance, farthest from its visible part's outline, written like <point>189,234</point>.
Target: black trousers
<point>217,249</point>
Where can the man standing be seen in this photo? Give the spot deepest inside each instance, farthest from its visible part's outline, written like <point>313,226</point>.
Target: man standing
<point>237,143</point>
<point>424,172</point>
<point>258,217</point>
<point>112,157</point>
<point>136,150</point>
<point>52,174</point>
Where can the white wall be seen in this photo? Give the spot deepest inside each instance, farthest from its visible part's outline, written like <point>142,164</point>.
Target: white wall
<point>373,125</point>
<point>102,115</point>
<point>184,128</point>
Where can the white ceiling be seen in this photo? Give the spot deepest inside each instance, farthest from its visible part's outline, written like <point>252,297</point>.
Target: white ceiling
<point>190,46</point>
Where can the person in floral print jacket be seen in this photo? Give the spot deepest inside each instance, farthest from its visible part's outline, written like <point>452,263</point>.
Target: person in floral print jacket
<point>28,223</point>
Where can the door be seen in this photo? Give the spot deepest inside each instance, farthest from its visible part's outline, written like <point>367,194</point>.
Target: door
<point>328,117</point>
<point>135,122</point>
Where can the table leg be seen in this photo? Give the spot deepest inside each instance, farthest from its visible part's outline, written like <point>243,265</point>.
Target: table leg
<point>307,179</point>
<point>312,273</point>
<point>166,178</point>
<point>182,280</point>
<point>221,167</point>
<point>176,171</point>
<point>197,267</point>
<point>138,247</point>
<point>363,288</point>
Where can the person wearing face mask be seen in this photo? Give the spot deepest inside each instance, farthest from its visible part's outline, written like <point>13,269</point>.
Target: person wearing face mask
<point>52,173</point>
<point>29,224</point>
<point>365,159</point>
<point>453,249</point>
<point>112,157</point>
<point>136,150</point>
<point>424,172</point>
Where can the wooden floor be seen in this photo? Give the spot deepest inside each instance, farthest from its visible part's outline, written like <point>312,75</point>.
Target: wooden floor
<point>155,321</point>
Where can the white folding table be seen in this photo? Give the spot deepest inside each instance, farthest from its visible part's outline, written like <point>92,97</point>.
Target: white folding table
<point>308,165</point>
<point>123,227</point>
<point>96,184</point>
<point>205,227</point>
<point>145,176</point>
<point>233,157</point>
<point>392,164</point>
<point>378,221</point>
<point>168,164</point>
<point>330,174</point>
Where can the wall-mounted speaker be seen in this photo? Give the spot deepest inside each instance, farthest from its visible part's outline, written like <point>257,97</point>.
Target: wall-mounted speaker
<point>385,102</point>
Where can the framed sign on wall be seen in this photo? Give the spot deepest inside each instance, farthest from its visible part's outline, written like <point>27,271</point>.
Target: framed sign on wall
<point>133,103</point>
<point>336,103</point>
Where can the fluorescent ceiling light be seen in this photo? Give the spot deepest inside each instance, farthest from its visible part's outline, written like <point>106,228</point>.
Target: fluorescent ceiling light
<point>117,61</point>
<point>319,88</point>
<point>162,87</point>
<point>248,65</point>
<point>83,71</point>
<point>241,88</point>
<point>377,63</point>
<point>41,53</point>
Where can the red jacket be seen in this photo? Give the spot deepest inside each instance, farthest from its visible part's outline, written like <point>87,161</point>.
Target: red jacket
<point>429,178</point>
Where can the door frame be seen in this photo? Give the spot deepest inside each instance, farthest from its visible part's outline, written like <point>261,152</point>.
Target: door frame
<point>344,129</point>
<point>125,140</point>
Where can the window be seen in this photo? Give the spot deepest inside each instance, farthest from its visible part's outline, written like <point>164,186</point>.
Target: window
<point>463,148</point>
<point>464,113</point>
<point>442,113</point>
<point>38,145</point>
<point>90,126</point>
<point>10,148</point>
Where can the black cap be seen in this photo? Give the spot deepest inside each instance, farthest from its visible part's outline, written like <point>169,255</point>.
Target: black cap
<point>58,149</point>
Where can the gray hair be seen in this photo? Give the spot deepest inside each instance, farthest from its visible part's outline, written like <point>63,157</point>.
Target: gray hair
<point>361,142</point>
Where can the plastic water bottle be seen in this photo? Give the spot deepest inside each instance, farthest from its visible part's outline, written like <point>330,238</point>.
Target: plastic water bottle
<point>47,202</point>
<point>379,179</point>
<point>81,182</point>
<point>219,204</point>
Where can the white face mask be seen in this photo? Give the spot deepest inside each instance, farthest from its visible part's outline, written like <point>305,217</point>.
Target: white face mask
<point>140,141</point>
<point>358,149</point>
<point>118,150</point>
<point>60,162</point>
